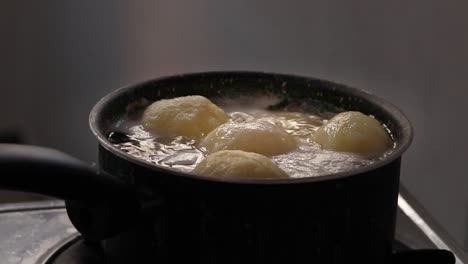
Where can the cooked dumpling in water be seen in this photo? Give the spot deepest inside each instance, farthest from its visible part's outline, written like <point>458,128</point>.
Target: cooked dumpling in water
<point>257,136</point>
<point>190,116</point>
<point>353,132</point>
<point>239,164</point>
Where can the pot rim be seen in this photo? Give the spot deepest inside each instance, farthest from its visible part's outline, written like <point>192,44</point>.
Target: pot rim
<point>401,147</point>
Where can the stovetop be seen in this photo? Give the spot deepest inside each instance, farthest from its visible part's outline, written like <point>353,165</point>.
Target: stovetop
<point>41,233</point>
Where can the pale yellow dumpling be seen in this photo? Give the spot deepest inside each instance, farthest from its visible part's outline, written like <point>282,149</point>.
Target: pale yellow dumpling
<point>190,116</point>
<point>257,136</point>
<point>353,132</point>
<point>239,164</point>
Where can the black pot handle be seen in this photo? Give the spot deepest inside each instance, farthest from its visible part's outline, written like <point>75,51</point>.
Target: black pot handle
<point>98,204</point>
<point>426,256</point>
<point>53,173</point>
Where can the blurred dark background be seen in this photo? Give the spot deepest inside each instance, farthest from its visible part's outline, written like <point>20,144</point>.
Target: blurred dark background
<point>58,58</point>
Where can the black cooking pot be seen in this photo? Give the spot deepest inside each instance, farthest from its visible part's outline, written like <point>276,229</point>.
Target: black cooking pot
<point>138,211</point>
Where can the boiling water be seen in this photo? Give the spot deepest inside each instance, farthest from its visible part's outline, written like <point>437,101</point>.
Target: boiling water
<point>300,120</point>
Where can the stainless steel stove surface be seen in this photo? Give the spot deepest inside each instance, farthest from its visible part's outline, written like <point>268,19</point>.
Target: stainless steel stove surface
<point>40,233</point>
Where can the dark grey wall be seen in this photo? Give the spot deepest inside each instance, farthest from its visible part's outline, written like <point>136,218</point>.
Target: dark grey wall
<point>63,56</point>
<point>68,54</point>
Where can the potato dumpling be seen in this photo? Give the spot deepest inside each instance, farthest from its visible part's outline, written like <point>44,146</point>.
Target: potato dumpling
<point>239,164</point>
<point>190,116</point>
<point>353,132</point>
<point>257,136</point>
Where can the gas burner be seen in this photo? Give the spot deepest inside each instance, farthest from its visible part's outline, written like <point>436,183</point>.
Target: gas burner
<point>75,250</point>
<point>41,233</point>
